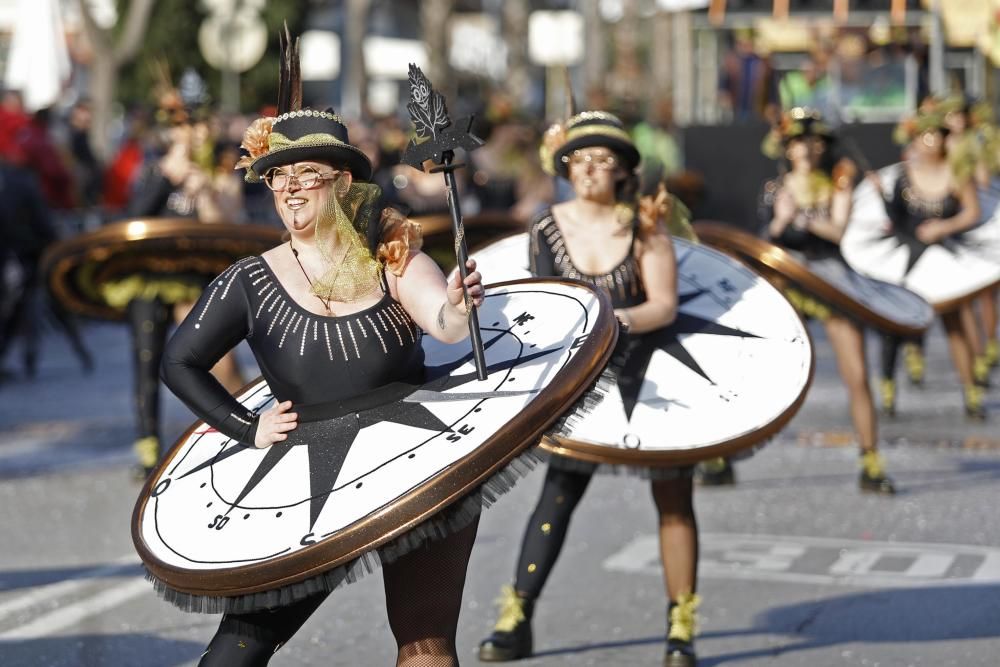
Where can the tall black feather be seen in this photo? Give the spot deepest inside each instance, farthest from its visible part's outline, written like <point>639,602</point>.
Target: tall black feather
<point>284,75</point>
<point>295,78</point>
<point>289,73</point>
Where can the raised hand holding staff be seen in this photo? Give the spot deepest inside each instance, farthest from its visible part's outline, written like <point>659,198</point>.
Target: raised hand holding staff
<point>436,141</point>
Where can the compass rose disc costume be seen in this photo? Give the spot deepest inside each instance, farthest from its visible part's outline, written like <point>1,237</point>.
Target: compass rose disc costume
<point>370,442</point>
<point>697,376</point>
<point>916,233</point>
<point>608,238</point>
<point>804,213</point>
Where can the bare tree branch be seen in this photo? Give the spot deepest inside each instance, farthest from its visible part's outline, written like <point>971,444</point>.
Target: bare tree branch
<point>99,38</point>
<point>134,31</point>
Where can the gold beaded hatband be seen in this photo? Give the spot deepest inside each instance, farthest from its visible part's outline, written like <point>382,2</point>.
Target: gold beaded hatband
<point>305,134</point>
<point>794,123</point>
<point>586,129</point>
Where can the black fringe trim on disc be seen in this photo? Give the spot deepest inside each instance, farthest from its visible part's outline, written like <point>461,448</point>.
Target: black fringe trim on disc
<point>595,393</point>
<point>654,473</point>
<point>449,520</point>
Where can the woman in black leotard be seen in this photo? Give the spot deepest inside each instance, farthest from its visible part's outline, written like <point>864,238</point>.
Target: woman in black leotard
<point>332,314</point>
<point>930,203</point>
<point>598,238</point>
<point>806,210</point>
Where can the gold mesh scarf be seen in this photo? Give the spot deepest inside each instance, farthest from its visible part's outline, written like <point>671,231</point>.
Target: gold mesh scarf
<point>341,237</point>
<point>352,272</point>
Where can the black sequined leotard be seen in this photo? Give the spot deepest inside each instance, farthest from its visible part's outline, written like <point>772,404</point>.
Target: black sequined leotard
<point>548,257</point>
<point>907,209</point>
<point>797,236</point>
<point>305,358</point>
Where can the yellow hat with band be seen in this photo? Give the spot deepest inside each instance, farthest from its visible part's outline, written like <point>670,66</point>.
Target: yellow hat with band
<point>296,136</point>
<point>586,129</point>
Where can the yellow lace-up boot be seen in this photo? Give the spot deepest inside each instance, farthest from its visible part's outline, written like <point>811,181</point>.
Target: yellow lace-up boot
<point>873,477</point>
<point>887,392</point>
<point>683,626</point>
<point>974,395</point>
<point>913,357</point>
<point>147,451</point>
<point>981,370</point>
<point>992,353</point>
<point>511,638</point>
<point>715,472</point>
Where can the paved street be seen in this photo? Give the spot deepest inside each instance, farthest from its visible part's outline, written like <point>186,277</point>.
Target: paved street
<point>798,568</point>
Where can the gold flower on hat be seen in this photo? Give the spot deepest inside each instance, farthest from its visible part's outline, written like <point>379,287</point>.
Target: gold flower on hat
<point>255,141</point>
<point>552,141</point>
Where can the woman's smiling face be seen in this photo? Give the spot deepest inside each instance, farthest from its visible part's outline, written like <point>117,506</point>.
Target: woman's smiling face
<point>302,191</point>
<point>594,172</point>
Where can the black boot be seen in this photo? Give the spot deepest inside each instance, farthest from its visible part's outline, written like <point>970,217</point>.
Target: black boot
<point>873,477</point>
<point>680,654</point>
<point>511,638</point>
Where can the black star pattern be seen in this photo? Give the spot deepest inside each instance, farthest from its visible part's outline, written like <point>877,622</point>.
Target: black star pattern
<point>642,347</point>
<point>325,462</point>
<point>915,248</point>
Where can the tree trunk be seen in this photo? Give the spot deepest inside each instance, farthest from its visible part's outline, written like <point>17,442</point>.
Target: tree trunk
<point>515,32</point>
<point>354,95</point>
<point>101,89</point>
<point>594,55</point>
<point>434,28</point>
<point>108,58</point>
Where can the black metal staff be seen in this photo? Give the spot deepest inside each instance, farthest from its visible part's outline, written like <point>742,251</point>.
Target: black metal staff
<point>859,157</point>
<point>437,140</point>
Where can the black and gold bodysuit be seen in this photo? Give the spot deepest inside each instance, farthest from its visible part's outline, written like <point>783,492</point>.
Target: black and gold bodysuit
<point>821,255</point>
<point>908,210</point>
<point>317,362</point>
<point>306,358</point>
<point>548,258</point>
<point>565,484</point>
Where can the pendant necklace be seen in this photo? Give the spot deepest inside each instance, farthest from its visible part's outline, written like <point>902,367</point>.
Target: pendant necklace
<point>325,302</point>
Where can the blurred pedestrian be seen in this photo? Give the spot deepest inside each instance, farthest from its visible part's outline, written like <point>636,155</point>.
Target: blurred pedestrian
<point>26,229</point>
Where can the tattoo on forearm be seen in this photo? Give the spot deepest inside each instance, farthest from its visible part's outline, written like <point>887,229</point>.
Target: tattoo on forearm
<point>441,324</point>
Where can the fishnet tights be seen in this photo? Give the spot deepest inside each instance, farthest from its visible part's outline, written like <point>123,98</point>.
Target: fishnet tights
<point>423,595</point>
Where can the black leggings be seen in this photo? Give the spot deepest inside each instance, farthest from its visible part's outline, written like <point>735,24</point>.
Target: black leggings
<point>423,596</point>
<point>890,352</point>
<point>546,529</point>
<point>148,321</point>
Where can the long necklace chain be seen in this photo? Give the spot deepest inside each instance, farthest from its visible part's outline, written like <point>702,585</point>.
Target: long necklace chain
<point>325,302</point>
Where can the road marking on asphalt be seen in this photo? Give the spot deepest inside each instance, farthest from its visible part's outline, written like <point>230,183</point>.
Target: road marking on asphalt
<point>822,560</point>
<point>66,588</point>
<point>70,615</point>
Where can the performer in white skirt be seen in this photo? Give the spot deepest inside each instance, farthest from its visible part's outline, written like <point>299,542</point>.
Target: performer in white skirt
<point>974,152</point>
<point>806,210</point>
<point>931,203</point>
<point>599,238</point>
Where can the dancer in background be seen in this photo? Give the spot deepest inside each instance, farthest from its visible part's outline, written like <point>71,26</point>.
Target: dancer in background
<point>806,210</point>
<point>932,202</point>
<point>600,238</point>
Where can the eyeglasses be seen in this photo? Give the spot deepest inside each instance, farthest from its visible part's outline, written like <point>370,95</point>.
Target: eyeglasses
<point>604,161</point>
<point>307,178</point>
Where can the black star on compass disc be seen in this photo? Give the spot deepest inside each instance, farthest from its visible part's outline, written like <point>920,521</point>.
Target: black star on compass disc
<point>325,461</point>
<point>915,248</point>
<point>642,347</point>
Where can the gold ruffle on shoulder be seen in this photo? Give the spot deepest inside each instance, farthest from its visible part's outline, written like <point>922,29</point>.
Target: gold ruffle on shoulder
<point>666,209</point>
<point>400,237</point>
